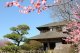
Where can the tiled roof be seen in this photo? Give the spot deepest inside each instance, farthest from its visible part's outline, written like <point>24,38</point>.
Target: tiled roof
<point>50,34</point>
<point>55,24</point>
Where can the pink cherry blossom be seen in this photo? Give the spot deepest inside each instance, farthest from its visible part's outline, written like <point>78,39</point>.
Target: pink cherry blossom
<point>32,1</point>
<point>19,0</point>
<point>37,5</point>
<point>9,4</point>
<point>39,11</point>
<point>43,2</point>
<point>57,1</point>
<point>76,12</point>
<point>74,34</point>
<point>26,10</point>
<point>44,8</point>
<point>15,3</point>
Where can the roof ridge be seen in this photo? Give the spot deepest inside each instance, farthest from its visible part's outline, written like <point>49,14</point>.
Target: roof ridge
<point>55,24</point>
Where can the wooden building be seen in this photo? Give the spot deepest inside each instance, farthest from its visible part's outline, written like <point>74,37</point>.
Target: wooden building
<point>51,34</point>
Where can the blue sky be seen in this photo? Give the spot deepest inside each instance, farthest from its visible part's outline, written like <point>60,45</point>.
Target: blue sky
<point>10,17</point>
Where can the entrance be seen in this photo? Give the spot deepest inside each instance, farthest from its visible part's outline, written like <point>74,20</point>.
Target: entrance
<point>49,45</point>
<point>52,45</point>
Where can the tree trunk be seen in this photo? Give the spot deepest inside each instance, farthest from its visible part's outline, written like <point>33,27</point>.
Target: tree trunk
<point>18,43</point>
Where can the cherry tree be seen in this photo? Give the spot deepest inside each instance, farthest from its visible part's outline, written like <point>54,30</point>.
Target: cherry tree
<point>65,7</point>
<point>39,5</point>
<point>73,29</point>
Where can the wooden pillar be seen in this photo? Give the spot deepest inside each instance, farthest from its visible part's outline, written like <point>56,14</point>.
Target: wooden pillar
<point>48,45</point>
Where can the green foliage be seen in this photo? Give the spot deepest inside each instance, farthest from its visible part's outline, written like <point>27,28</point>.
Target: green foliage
<point>25,47</point>
<point>20,29</point>
<point>23,27</point>
<point>9,43</point>
<point>18,33</point>
<point>13,36</point>
<point>31,45</point>
<point>10,48</point>
<point>13,29</point>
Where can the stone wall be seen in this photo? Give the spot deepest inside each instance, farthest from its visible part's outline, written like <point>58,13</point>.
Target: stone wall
<point>63,48</point>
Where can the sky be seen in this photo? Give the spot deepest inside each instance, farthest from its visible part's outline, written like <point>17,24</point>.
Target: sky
<point>10,17</point>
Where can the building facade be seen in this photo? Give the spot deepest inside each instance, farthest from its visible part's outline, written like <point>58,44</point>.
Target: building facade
<point>51,34</point>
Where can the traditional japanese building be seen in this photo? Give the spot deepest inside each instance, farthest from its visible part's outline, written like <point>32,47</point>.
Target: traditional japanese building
<point>52,34</point>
